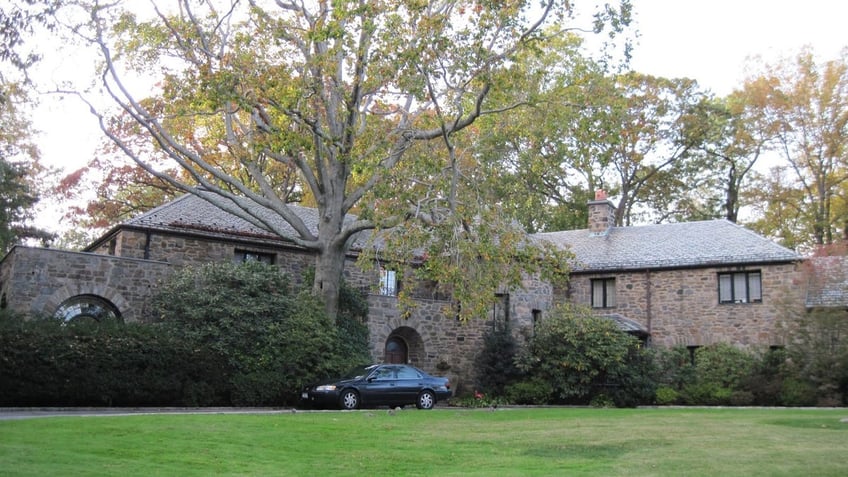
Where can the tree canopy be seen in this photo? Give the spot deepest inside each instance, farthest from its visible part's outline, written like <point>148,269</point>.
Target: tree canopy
<point>361,101</point>
<point>20,170</point>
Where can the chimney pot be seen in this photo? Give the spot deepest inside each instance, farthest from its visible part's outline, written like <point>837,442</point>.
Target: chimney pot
<point>600,194</point>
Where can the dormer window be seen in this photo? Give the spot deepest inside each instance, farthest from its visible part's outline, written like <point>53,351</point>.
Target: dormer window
<point>740,287</point>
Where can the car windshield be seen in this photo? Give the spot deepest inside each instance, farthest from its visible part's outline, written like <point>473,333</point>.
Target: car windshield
<point>358,372</point>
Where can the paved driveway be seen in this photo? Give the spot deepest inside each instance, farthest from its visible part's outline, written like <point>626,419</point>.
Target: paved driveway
<point>9,413</point>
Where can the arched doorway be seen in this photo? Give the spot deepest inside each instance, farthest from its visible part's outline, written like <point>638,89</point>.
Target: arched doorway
<point>404,346</point>
<point>397,352</point>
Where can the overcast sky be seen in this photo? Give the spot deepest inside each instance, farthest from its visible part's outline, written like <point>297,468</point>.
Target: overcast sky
<point>708,40</point>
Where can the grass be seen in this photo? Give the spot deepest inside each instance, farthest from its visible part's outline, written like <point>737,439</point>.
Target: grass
<point>444,442</point>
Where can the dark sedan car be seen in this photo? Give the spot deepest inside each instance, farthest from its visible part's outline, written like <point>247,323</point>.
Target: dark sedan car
<point>379,385</point>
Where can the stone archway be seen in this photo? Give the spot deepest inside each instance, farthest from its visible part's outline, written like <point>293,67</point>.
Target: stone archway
<point>88,308</point>
<point>65,299</point>
<point>404,345</point>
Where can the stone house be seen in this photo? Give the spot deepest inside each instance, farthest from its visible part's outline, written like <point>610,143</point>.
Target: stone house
<point>687,284</point>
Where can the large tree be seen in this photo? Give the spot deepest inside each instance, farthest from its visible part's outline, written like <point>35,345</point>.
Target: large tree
<point>20,169</point>
<point>546,160</point>
<point>18,21</point>
<point>345,93</point>
<point>733,134</point>
<point>807,108</point>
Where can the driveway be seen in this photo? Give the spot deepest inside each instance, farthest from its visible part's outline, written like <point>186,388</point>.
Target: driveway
<point>10,413</point>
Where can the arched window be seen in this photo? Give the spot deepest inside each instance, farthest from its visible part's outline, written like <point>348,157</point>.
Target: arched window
<point>87,308</point>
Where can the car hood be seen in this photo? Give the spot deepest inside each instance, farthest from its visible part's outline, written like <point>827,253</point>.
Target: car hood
<point>336,381</point>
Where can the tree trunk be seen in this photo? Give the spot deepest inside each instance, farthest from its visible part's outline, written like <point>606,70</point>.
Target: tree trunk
<point>329,270</point>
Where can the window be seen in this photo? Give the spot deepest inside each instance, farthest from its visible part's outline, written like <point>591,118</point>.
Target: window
<point>603,293</point>
<point>693,351</point>
<point>242,256</point>
<point>87,308</point>
<point>740,287</point>
<point>388,282</point>
<point>405,372</point>
<point>537,320</point>
<point>383,374</point>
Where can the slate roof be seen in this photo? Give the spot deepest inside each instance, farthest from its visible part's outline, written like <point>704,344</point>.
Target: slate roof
<point>190,213</point>
<point>690,244</point>
<point>194,215</point>
<point>626,324</point>
<point>679,245</point>
<point>828,282</point>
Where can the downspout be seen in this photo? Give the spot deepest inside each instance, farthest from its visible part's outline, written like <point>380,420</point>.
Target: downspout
<point>648,307</point>
<point>147,239</point>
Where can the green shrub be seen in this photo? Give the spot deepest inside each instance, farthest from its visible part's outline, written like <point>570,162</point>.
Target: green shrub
<point>721,372</point>
<point>495,363</point>
<point>706,394</point>
<point>635,383</point>
<point>46,362</point>
<point>723,365</point>
<point>818,360</point>
<point>673,367</point>
<point>578,353</point>
<point>766,378</point>
<point>529,392</point>
<point>273,340</point>
<point>796,392</point>
<point>602,401</point>
<point>741,398</point>
<point>666,396</point>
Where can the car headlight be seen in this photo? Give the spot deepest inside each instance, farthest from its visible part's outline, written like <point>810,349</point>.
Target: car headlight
<point>326,387</point>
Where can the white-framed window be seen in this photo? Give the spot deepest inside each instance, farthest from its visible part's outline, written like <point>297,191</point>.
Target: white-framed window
<point>603,293</point>
<point>388,282</point>
<point>740,287</point>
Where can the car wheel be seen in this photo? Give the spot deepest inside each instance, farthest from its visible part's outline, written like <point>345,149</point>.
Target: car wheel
<point>426,400</point>
<point>349,399</point>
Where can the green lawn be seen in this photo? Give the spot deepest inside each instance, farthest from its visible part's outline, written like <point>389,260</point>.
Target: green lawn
<point>442,442</point>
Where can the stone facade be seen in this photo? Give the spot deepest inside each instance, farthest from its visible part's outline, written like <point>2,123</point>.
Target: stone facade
<point>674,305</point>
<point>37,281</point>
<point>681,306</point>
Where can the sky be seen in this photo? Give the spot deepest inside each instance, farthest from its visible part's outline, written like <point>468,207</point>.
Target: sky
<point>707,40</point>
<point>710,40</point>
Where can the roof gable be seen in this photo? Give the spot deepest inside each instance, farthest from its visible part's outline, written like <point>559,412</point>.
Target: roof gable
<point>688,244</point>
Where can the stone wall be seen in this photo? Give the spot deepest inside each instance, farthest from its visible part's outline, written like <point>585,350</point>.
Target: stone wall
<point>186,250</point>
<point>36,281</point>
<point>681,307</point>
<point>438,342</point>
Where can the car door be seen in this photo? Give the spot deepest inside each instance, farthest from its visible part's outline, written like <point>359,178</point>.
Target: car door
<point>409,383</point>
<point>380,387</point>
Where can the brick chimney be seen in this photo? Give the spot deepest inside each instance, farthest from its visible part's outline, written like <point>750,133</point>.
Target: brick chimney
<point>601,214</point>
